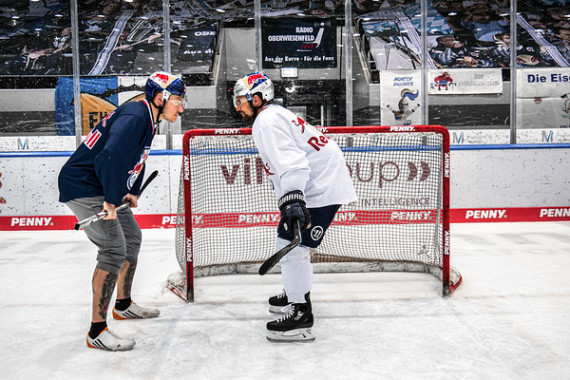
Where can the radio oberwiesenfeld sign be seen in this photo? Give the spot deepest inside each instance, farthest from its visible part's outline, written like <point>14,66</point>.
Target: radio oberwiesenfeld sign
<point>299,43</point>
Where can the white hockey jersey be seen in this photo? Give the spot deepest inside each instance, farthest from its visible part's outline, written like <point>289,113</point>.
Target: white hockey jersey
<point>299,157</point>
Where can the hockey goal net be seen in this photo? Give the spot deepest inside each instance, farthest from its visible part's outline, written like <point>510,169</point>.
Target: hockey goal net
<point>228,214</point>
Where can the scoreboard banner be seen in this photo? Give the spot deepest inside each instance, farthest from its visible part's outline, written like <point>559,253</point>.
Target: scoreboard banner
<point>298,43</point>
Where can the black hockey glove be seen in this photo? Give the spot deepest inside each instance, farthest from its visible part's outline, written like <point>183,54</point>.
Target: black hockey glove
<point>292,206</point>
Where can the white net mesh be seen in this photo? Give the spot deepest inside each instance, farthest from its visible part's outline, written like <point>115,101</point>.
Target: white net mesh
<point>396,219</point>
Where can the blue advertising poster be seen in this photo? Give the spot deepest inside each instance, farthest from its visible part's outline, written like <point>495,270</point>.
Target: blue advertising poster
<point>105,89</point>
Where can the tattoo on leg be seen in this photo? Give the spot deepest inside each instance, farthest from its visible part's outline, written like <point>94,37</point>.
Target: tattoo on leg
<point>106,294</point>
<point>129,275</point>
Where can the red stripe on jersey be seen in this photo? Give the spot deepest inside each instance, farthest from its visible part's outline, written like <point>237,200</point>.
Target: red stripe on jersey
<point>92,138</point>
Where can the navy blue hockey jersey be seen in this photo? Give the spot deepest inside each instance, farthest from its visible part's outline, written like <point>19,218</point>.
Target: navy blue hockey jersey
<point>110,161</point>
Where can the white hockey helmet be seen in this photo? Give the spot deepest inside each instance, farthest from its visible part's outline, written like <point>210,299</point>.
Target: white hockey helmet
<point>252,84</point>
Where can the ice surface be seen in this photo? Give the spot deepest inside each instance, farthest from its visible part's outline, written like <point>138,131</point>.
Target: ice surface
<point>508,320</point>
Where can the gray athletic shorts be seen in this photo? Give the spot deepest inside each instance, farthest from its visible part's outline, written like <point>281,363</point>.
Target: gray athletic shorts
<point>117,240</point>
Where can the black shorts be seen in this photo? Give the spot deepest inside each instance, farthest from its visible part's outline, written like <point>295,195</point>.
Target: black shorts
<point>321,218</point>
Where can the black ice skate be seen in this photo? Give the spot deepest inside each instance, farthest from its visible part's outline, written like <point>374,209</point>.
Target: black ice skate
<point>294,326</point>
<point>278,303</point>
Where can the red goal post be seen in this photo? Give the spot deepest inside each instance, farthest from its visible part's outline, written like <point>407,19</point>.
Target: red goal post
<point>399,223</point>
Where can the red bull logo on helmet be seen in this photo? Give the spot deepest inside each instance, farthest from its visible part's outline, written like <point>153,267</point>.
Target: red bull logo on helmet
<point>163,78</point>
<point>254,79</point>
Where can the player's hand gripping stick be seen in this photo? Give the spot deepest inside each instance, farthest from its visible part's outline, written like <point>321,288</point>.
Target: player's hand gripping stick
<point>87,221</point>
<point>293,207</point>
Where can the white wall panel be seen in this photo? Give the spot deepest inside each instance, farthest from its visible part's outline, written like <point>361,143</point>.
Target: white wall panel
<point>11,187</point>
<point>479,179</point>
<point>510,178</point>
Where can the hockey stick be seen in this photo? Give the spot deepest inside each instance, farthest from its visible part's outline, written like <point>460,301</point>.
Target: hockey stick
<point>270,262</point>
<point>87,221</point>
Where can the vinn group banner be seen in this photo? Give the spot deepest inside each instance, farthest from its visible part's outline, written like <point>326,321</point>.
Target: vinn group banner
<point>400,102</point>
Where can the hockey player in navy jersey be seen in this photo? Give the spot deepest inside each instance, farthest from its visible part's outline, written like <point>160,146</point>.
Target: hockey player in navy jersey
<point>311,181</point>
<point>106,170</point>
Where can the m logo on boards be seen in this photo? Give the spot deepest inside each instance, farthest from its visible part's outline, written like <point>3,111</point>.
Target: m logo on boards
<point>457,139</point>
<point>24,145</point>
<point>548,137</point>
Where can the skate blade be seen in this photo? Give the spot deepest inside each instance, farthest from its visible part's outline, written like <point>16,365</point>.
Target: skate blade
<point>277,309</point>
<point>298,335</point>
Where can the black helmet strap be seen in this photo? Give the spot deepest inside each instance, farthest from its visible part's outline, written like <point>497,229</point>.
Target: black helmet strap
<point>157,107</point>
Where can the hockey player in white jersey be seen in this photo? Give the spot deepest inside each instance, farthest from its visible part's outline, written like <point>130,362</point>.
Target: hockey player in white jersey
<point>311,182</point>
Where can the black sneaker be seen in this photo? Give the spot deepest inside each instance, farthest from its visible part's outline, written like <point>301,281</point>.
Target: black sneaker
<point>294,326</point>
<point>278,303</point>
